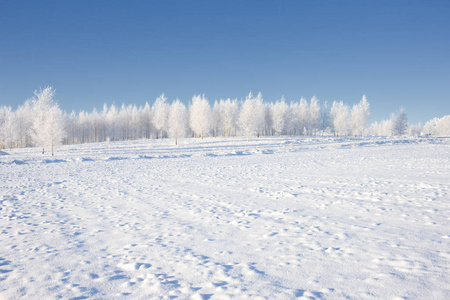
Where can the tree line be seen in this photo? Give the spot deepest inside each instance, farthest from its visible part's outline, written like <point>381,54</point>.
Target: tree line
<point>40,121</point>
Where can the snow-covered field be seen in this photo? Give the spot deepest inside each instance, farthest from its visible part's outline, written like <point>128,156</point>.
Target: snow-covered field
<point>274,218</point>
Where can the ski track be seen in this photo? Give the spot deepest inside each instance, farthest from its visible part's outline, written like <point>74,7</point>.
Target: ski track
<point>273,218</point>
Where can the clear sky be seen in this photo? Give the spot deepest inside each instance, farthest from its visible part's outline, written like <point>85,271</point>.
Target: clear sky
<point>95,52</point>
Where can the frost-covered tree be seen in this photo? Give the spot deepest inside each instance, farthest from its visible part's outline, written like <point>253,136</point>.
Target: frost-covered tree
<point>267,123</point>
<point>261,113</point>
<point>134,123</point>
<point>293,123</point>
<point>41,103</point>
<point>55,127</point>
<point>94,126</point>
<point>339,116</point>
<point>383,128</point>
<point>177,121</point>
<point>314,115</point>
<point>3,110</point>
<point>438,126</point>
<point>125,120</point>
<point>442,126</point>
<point>8,128</point>
<point>415,130</point>
<point>324,118</point>
<point>246,117</point>
<point>160,112</point>
<point>360,115</point>
<point>216,118</point>
<point>47,129</point>
<point>303,116</point>
<point>72,133</point>
<point>82,127</point>
<point>229,114</point>
<point>251,117</point>
<point>103,123</point>
<point>333,113</point>
<point>365,111</point>
<point>112,123</point>
<point>356,120</point>
<point>146,121</point>
<point>400,122</point>
<point>279,116</point>
<point>24,117</point>
<point>200,118</point>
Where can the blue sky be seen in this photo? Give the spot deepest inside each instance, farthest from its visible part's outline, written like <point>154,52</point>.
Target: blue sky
<point>95,52</point>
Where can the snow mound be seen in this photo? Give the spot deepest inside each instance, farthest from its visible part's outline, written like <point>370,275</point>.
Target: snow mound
<point>3,153</point>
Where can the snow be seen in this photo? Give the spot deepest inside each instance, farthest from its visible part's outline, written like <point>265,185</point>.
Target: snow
<point>273,218</point>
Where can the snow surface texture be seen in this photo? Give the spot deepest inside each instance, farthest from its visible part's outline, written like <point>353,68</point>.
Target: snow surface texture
<point>274,218</point>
